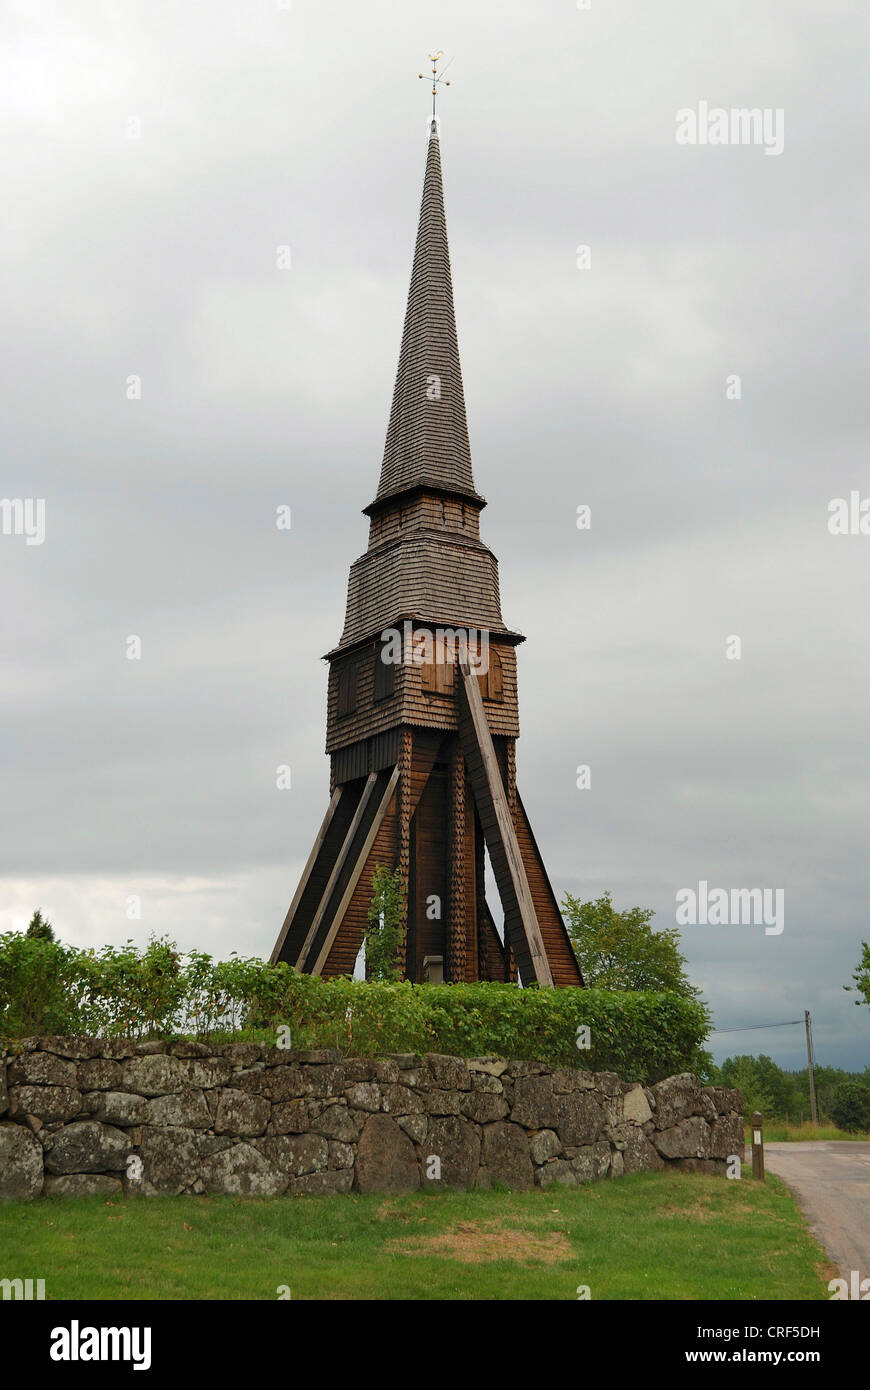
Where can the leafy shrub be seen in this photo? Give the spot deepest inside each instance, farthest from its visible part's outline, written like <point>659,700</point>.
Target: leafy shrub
<point>46,987</point>
<point>386,918</point>
<point>40,986</point>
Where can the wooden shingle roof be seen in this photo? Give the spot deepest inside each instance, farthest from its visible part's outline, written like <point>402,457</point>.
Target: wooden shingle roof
<point>429,576</point>
<point>425,560</point>
<point>427,438</point>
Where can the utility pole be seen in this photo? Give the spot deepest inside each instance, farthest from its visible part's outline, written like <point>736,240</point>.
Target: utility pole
<point>814,1111</point>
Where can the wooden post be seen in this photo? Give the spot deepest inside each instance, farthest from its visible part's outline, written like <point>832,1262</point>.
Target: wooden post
<point>757,1146</point>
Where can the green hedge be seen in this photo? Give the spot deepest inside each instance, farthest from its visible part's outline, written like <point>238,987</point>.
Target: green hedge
<point>46,987</point>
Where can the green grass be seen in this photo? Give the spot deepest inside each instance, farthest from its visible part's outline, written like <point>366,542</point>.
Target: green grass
<point>784,1131</point>
<point>648,1236</point>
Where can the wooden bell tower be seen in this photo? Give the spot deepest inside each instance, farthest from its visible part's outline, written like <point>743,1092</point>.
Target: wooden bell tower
<point>423,753</point>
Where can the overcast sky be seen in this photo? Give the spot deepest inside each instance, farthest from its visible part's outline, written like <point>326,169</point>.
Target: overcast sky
<point>263,125</point>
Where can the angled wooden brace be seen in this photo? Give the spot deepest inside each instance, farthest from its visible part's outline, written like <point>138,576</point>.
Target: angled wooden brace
<point>337,867</point>
<point>359,862</point>
<point>521,923</point>
<point>306,874</point>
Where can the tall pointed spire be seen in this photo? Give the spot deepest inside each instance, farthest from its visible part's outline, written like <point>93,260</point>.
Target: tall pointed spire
<point>427,438</point>
<point>425,560</point>
<point>422,741</point>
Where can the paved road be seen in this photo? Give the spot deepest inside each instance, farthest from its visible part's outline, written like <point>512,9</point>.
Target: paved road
<point>831,1181</point>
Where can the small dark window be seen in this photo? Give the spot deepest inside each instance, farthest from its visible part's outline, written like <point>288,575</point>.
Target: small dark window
<point>443,515</point>
<point>346,689</point>
<point>385,677</point>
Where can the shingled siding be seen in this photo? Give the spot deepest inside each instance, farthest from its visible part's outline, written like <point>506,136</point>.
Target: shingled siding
<point>409,704</point>
<point>371,716</point>
<point>428,510</point>
<point>441,577</point>
<point>91,1117</point>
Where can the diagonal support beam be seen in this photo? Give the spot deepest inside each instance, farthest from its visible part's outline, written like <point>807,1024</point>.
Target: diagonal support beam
<point>306,874</point>
<point>336,870</point>
<point>521,923</point>
<point>560,952</point>
<point>358,866</point>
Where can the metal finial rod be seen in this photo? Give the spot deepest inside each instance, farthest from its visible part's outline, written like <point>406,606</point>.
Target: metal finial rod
<point>437,77</point>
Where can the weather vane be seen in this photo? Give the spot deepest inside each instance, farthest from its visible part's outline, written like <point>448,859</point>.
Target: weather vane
<point>437,77</point>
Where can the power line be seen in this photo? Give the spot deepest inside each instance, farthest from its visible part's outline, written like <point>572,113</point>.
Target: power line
<point>754,1026</point>
<point>811,1061</point>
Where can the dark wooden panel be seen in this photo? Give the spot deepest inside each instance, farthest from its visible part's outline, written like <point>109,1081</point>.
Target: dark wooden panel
<point>470,886</point>
<point>429,834</point>
<point>370,755</point>
<point>350,763</point>
<point>492,949</point>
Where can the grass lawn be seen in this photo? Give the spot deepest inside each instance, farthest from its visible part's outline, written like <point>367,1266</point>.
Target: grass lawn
<point>648,1236</point>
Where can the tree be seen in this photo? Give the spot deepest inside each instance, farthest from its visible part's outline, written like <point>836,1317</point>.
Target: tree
<point>765,1086</point>
<point>850,1107</point>
<point>386,928</point>
<point>745,1074</point>
<point>827,1079</point>
<point>862,977</point>
<point>783,1090</point>
<point>620,950</point>
<point>40,927</point>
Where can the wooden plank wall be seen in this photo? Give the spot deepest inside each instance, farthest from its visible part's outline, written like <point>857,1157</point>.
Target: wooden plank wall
<point>472,962</point>
<point>491,947</point>
<point>371,755</point>
<point>409,703</point>
<point>391,522</point>
<point>429,831</point>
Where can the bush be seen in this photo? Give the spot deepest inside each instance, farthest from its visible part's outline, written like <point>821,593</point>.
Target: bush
<point>135,993</point>
<point>850,1106</point>
<point>40,986</point>
<point>46,987</point>
<point>386,916</point>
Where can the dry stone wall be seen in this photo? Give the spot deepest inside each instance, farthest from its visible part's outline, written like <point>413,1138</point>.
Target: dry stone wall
<point>87,1116</point>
